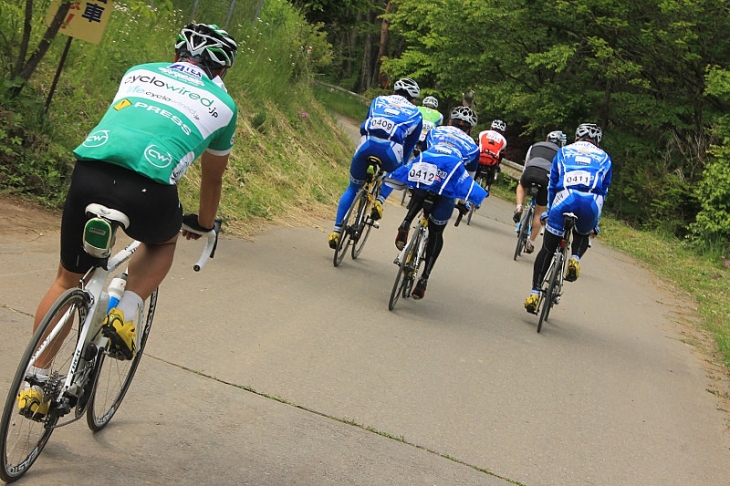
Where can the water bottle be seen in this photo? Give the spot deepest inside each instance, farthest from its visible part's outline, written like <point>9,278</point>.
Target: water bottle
<point>115,290</point>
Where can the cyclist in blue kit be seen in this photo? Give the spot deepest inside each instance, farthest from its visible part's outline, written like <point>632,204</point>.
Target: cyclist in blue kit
<point>445,168</point>
<point>579,180</point>
<point>390,133</point>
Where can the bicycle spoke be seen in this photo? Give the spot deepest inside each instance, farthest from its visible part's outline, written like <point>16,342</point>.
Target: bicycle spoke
<point>22,438</point>
<point>113,376</point>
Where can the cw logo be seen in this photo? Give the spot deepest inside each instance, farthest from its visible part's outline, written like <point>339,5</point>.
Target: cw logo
<point>96,139</point>
<point>156,157</point>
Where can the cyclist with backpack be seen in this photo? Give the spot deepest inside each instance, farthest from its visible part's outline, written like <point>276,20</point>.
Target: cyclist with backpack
<point>491,149</point>
<point>536,172</point>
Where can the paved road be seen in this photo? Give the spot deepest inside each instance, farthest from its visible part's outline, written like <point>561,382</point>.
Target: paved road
<point>271,367</point>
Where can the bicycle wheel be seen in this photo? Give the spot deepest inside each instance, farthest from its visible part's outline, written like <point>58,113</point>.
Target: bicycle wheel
<point>363,225</point>
<point>555,269</point>
<point>346,232</point>
<point>404,275</point>
<point>523,234</point>
<point>21,438</point>
<point>113,376</point>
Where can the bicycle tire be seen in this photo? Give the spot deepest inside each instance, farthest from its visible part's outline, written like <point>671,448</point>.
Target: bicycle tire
<point>112,377</point>
<point>22,439</point>
<point>402,277</point>
<point>346,232</point>
<point>522,234</point>
<point>556,268</point>
<point>472,209</point>
<point>363,224</point>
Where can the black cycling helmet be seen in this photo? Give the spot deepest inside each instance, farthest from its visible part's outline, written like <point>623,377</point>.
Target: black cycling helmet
<point>589,131</point>
<point>208,46</point>
<point>464,114</point>
<point>407,87</point>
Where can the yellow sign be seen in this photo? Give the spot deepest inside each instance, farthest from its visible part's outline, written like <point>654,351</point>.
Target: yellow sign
<point>85,20</point>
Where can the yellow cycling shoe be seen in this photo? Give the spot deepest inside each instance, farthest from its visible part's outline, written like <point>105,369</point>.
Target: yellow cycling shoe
<point>531,303</point>
<point>377,211</point>
<point>334,239</point>
<point>573,270</point>
<point>32,405</point>
<point>121,334</point>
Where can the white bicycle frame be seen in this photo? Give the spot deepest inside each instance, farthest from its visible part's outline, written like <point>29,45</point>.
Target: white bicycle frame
<point>92,321</point>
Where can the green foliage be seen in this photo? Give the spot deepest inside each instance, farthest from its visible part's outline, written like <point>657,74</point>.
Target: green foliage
<point>343,103</point>
<point>713,219</point>
<point>288,152</point>
<point>637,69</point>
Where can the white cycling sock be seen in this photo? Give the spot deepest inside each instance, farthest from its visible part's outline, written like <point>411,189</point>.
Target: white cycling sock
<point>130,304</point>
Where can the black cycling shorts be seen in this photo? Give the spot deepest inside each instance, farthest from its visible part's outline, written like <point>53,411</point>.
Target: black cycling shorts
<point>153,209</point>
<point>539,177</point>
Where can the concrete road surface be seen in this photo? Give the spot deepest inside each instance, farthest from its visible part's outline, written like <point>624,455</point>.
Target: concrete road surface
<point>272,367</point>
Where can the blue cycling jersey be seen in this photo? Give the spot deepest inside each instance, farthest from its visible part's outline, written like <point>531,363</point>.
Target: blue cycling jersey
<point>395,119</point>
<point>579,180</point>
<point>440,169</point>
<point>459,140</point>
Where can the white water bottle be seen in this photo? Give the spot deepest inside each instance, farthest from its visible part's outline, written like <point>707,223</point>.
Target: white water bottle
<point>115,290</point>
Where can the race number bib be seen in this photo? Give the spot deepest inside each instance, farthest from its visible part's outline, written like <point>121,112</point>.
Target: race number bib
<point>382,124</point>
<point>423,173</point>
<point>577,178</point>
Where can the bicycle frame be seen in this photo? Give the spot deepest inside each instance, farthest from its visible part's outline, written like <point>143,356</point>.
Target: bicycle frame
<point>524,227</point>
<point>554,278</point>
<point>409,259</point>
<point>357,232</point>
<point>79,378</point>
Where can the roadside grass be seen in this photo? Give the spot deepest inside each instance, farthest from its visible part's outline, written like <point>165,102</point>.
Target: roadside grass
<point>340,102</point>
<point>289,161</point>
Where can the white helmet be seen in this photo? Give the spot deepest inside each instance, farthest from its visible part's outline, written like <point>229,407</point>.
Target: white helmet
<point>589,131</point>
<point>431,102</point>
<point>557,137</point>
<point>207,45</point>
<point>465,114</point>
<point>499,125</point>
<point>409,86</point>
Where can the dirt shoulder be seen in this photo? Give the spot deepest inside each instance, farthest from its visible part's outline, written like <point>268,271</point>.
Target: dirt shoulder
<point>20,216</point>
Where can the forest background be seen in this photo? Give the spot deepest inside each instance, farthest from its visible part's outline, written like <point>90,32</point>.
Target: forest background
<point>654,74</point>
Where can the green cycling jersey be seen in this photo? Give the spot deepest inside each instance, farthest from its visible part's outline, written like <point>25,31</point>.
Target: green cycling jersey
<point>431,119</point>
<point>162,118</point>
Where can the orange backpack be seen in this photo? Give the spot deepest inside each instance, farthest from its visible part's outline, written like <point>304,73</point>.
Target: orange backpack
<point>491,144</point>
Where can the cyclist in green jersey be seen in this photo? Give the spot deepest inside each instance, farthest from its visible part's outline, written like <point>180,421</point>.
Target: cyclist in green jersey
<point>432,118</point>
<point>163,117</point>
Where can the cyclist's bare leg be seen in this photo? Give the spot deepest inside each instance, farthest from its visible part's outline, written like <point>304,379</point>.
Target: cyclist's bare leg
<point>149,266</point>
<point>520,194</point>
<point>64,280</point>
<point>536,223</point>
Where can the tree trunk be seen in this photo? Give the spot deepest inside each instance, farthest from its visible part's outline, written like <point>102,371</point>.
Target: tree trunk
<point>383,48</point>
<point>25,69</point>
<point>367,54</point>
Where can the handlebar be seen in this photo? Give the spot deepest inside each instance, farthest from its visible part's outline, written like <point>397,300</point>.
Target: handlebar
<point>210,244</point>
